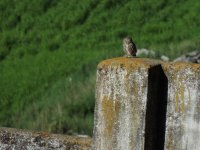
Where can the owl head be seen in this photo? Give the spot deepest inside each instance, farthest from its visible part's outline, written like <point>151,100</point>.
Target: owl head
<point>127,40</point>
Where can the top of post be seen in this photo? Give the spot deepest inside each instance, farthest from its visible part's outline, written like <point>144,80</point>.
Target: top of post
<point>129,63</point>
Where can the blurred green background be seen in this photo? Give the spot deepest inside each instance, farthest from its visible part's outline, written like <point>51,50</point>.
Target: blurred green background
<point>49,50</point>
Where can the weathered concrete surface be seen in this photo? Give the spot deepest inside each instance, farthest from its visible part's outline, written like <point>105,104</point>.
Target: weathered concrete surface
<point>17,139</point>
<point>183,107</point>
<point>121,99</point>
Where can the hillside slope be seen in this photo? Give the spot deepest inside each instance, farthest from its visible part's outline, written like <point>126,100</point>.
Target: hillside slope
<point>49,50</point>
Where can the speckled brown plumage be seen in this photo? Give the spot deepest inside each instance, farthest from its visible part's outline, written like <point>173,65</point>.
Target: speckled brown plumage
<point>129,47</point>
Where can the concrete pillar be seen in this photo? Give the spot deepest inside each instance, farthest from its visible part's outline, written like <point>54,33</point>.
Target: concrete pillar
<point>183,106</point>
<point>122,91</point>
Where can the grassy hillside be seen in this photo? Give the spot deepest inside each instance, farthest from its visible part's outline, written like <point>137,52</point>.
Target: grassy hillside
<point>49,50</point>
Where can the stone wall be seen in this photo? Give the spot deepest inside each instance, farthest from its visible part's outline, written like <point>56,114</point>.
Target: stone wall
<point>16,139</point>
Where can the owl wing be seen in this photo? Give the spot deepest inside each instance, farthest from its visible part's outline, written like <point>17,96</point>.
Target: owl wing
<point>132,49</point>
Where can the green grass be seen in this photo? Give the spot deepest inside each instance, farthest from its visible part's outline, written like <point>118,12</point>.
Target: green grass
<point>49,51</point>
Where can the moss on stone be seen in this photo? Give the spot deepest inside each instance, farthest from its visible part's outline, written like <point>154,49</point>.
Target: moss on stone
<point>129,63</point>
<point>22,139</point>
<point>110,112</point>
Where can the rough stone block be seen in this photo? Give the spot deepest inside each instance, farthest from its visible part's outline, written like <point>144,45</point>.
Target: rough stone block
<point>183,106</point>
<point>17,139</point>
<point>122,92</point>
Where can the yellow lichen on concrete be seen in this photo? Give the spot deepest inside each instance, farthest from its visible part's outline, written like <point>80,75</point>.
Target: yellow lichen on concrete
<point>179,97</point>
<point>177,66</point>
<point>110,110</point>
<point>135,92</point>
<point>177,74</point>
<point>182,91</point>
<point>129,63</point>
<point>176,99</point>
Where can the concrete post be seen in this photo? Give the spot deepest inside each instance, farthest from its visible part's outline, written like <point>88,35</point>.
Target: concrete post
<point>122,92</point>
<point>183,106</point>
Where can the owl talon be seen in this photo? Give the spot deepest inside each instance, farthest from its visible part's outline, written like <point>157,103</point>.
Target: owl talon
<point>129,56</point>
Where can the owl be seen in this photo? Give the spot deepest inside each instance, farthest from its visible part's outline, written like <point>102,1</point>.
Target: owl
<point>129,47</point>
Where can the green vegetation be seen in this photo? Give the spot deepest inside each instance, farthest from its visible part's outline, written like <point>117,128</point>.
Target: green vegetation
<point>49,50</point>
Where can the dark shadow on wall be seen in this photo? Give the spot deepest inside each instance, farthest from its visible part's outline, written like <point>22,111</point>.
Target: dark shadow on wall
<point>156,109</point>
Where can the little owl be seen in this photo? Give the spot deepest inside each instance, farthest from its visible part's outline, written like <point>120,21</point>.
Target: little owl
<point>129,47</point>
